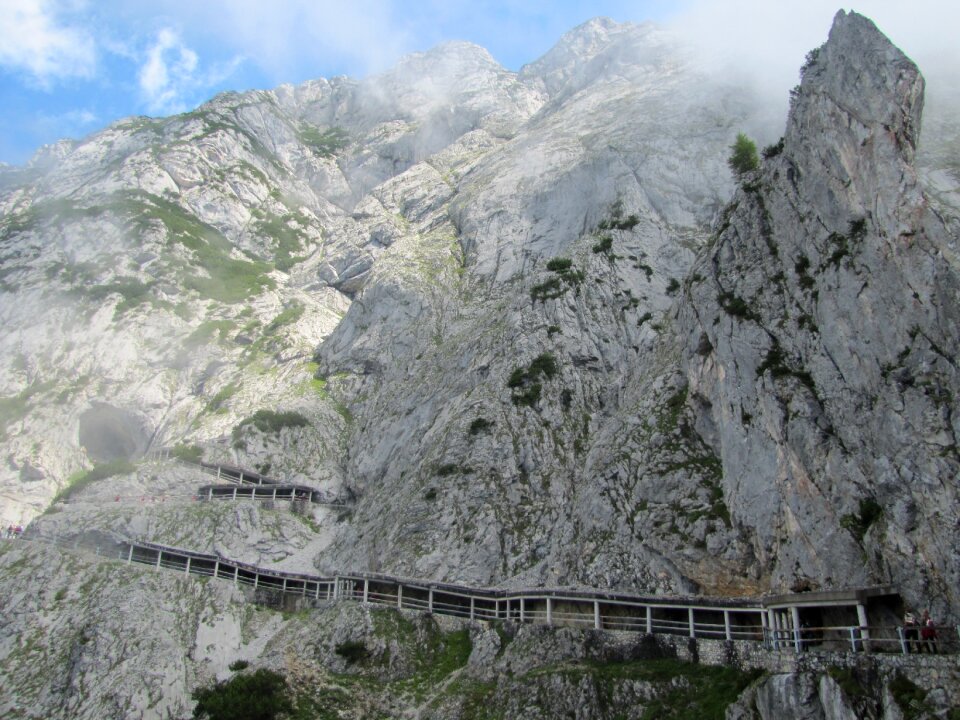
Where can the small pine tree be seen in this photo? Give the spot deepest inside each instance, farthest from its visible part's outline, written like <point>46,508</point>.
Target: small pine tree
<point>743,155</point>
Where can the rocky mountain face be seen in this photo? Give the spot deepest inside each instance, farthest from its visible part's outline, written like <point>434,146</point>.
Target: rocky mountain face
<point>527,323</point>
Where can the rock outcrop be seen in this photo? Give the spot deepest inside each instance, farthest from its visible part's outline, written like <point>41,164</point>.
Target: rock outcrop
<point>822,342</point>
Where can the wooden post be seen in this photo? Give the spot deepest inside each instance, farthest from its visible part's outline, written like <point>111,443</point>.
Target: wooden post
<point>597,621</point>
<point>693,632</point>
<point>549,611</point>
<point>649,620</point>
<point>864,626</point>
<point>726,624</point>
<point>795,621</point>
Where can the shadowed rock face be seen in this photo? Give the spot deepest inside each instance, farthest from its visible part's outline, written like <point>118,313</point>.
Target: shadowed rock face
<point>108,433</point>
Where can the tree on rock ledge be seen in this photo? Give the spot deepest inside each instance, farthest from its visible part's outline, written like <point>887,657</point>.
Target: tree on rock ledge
<point>743,157</point>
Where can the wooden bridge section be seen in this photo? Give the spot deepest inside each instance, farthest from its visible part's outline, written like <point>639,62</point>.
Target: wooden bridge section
<point>234,483</point>
<point>730,619</point>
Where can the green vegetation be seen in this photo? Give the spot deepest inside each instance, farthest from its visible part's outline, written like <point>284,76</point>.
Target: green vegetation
<point>911,699</point>
<point>565,277</point>
<point>617,221</point>
<point>678,690</point>
<point>190,453</point>
<point>743,155</point>
<point>15,408</point>
<point>289,238</point>
<point>559,265</point>
<point>238,665</point>
<point>858,524</point>
<point>325,143</point>
<point>844,245</point>
<point>262,695</point>
<point>848,681</point>
<point>603,245</point>
<point>287,316</point>
<point>672,286</point>
<point>353,651</point>
<point>736,306</point>
<point>771,151</point>
<point>480,425</point>
<point>100,471</point>
<point>775,361</point>
<point>217,401</point>
<point>205,332</point>
<point>525,382</point>
<point>802,268</point>
<point>132,293</point>
<point>212,271</point>
<point>669,418</point>
<point>271,422</point>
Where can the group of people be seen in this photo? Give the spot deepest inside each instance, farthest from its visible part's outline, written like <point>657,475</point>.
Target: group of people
<point>919,636</point>
<point>13,531</point>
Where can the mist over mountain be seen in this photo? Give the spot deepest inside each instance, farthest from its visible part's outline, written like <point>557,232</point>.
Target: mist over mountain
<point>529,324</point>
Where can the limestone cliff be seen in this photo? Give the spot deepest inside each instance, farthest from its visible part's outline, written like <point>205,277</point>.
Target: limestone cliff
<point>822,338</point>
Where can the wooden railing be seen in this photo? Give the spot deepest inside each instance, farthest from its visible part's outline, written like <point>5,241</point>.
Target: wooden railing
<point>238,483</point>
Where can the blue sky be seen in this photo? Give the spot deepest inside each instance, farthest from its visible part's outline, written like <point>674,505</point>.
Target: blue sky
<point>69,67</point>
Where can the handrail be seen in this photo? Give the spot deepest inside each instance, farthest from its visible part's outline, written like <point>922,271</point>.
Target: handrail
<point>551,606</point>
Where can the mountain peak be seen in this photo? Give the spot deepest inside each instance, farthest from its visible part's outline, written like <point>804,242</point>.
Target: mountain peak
<point>597,46</point>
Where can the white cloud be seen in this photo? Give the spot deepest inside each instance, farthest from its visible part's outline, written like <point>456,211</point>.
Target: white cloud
<point>34,41</point>
<point>170,75</point>
<point>305,38</point>
<point>768,39</point>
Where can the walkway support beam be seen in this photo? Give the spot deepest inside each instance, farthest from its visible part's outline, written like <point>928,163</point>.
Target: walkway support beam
<point>864,626</point>
<point>795,621</point>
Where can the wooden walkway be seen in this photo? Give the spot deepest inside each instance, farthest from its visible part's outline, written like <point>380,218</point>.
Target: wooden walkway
<point>695,617</point>
<point>785,622</point>
<point>238,483</point>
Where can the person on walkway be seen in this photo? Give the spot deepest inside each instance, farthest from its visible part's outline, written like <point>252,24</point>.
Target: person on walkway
<point>911,631</point>
<point>9,531</point>
<point>928,633</point>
